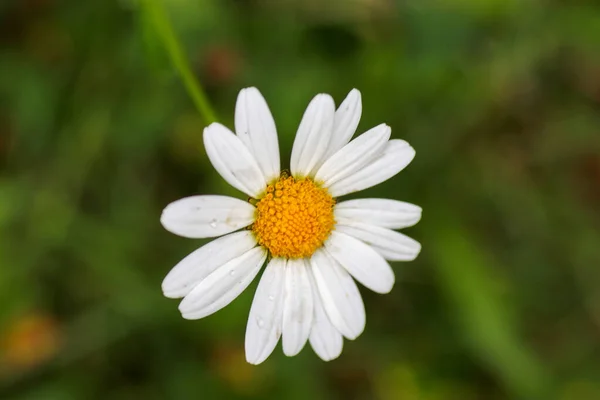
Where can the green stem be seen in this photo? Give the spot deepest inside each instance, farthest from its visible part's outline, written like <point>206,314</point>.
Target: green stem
<point>157,16</point>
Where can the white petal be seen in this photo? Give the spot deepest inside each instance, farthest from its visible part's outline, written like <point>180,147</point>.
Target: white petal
<point>264,322</point>
<point>364,264</point>
<point>200,263</point>
<point>233,161</point>
<point>313,136</point>
<point>255,126</point>
<point>297,307</point>
<point>223,285</point>
<point>397,155</point>
<point>345,122</point>
<point>325,340</point>
<point>392,245</point>
<point>386,213</point>
<point>340,296</point>
<point>206,216</point>
<point>354,156</point>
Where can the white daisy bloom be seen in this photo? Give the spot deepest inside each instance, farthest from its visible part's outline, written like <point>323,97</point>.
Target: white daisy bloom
<point>315,247</point>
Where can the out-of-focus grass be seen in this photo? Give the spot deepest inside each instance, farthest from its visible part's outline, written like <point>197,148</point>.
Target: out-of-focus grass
<point>159,29</point>
<point>473,293</point>
<point>98,133</point>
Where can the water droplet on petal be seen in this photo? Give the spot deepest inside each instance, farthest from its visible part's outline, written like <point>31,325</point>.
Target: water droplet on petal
<point>271,298</point>
<point>232,272</point>
<point>213,223</point>
<point>260,322</point>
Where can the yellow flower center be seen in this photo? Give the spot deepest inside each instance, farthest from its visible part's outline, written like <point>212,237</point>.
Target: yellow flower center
<point>294,218</point>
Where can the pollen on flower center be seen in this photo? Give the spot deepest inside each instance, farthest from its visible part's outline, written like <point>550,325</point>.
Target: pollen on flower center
<point>294,218</point>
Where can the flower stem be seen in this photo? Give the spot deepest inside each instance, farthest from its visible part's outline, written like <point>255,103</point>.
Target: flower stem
<point>158,18</point>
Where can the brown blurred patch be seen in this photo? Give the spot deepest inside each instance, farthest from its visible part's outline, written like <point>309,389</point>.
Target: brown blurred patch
<point>15,22</point>
<point>220,65</point>
<point>36,5</point>
<point>7,135</point>
<point>29,341</point>
<point>588,176</point>
<point>351,377</point>
<point>230,364</point>
<point>585,74</point>
<point>47,42</point>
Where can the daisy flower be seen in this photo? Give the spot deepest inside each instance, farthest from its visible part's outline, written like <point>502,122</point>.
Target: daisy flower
<point>314,247</point>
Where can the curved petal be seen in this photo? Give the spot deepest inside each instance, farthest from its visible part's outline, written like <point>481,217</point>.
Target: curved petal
<point>326,341</point>
<point>354,156</point>
<point>199,264</point>
<point>313,136</point>
<point>206,216</point>
<point>345,122</point>
<point>223,285</point>
<point>364,264</point>
<point>255,126</point>
<point>264,322</point>
<point>392,245</point>
<point>233,161</point>
<point>396,155</point>
<point>297,307</point>
<point>386,213</point>
<point>340,296</point>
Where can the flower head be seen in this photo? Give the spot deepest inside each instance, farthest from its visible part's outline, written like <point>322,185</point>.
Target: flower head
<point>315,247</point>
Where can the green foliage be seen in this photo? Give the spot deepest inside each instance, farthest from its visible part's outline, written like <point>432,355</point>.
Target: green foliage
<point>102,107</point>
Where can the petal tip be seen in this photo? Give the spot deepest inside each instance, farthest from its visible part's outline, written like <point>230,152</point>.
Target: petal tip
<point>169,292</point>
<point>387,289</point>
<point>290,351</point>
<point>254,360</point>
<point>189,316</point>
<point>210,128</point>
<point>354,96</point>
<point>325,100</point>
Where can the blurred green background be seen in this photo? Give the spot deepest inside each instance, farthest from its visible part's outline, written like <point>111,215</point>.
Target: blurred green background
<point>500,99</point>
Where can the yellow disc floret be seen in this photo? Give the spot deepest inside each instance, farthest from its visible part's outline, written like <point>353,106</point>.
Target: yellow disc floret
<point>294,218</point>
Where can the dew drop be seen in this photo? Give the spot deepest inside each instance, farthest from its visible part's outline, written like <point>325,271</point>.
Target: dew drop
<point>232,272</point>
<point>260,322</point>
<point>271,298</point>
<point>213,223</point>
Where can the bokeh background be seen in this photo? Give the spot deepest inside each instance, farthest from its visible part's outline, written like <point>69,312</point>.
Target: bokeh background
<point>500,99</point>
